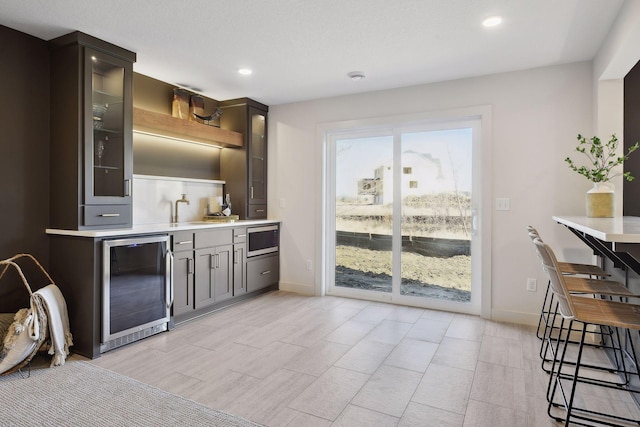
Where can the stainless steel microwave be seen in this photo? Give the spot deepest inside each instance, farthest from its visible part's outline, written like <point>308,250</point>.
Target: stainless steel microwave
<point>263,240</point>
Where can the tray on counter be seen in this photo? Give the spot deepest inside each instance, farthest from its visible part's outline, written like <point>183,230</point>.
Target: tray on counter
<point>221,218</point>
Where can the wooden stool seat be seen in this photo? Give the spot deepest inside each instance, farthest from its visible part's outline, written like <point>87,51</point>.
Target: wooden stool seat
<point>585,269</point>
<point>583,285</point>
<point>606,313</point>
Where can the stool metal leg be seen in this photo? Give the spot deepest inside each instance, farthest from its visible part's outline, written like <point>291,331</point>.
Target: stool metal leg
<point>576,415</point>
<point>544,314</point>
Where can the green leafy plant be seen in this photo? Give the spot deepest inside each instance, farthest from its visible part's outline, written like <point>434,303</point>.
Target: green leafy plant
<point>603,158</point>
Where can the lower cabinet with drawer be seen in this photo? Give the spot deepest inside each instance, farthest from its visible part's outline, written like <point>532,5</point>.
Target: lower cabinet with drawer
<point>183,273</point>
<point>214,257</point>
<point>211,270</point>
<point>239,261</point>
<point>263,271</point>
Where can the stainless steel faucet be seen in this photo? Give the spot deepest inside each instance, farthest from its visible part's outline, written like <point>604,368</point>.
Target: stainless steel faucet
<point>183,200</point>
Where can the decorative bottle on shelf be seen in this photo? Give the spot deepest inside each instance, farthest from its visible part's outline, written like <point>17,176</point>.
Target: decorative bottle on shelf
<point>180,104</point>
<point>196,108</point>
<point>226,207</point>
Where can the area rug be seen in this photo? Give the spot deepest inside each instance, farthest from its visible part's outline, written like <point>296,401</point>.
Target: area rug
<point>81,394</point>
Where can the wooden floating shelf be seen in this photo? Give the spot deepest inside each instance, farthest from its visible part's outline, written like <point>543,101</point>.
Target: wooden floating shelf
<point>164,125</point>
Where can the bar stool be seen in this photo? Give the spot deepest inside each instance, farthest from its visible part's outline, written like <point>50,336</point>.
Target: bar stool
<point>567,268</point>
<point>585,312</point>
<point>575,268</point>
<point>575,285</point>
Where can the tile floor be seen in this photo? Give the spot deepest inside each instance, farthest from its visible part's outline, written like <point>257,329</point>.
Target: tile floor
<point>288,360</point>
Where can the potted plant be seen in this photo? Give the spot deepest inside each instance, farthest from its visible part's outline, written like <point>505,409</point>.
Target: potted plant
<point>603,159</point>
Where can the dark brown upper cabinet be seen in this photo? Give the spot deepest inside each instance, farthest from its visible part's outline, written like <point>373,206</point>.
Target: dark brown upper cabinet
<point>91,131</point>
<point>245,169</point>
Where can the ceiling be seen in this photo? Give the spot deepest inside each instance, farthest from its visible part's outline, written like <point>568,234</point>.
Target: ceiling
<point>303,49</point>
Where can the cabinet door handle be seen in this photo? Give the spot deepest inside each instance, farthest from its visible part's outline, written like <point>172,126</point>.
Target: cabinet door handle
<point>127,187</point>
<point>235,257</point>
<point>251,193</point>
<point>189,266</point>
<point>170,279</point>
<point>266,272</point>
<point>240,235</point>
<point>215,261</point>
<point>184,242</point>
<point>212,261</point>
<point>109,215</point>
<point>260,210</point>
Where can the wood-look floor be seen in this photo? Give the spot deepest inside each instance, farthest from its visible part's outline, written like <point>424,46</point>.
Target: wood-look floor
<point>288,360</point>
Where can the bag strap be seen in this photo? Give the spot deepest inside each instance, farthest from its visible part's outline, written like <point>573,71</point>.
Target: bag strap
<point>12,262</point>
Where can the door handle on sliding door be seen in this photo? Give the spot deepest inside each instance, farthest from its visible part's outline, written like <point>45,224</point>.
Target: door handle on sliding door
<point>474,222</point>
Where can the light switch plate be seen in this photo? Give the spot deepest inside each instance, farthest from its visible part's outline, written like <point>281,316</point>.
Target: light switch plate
<point>503,204</point>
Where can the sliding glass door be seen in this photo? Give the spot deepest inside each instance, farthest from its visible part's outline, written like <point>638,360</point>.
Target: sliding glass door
<point>435,224</point>
<point>363,216</point>
<point>401,207</point>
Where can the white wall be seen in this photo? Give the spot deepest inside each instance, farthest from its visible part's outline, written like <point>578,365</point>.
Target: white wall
<point>621,49</point>
<point>536,117</point>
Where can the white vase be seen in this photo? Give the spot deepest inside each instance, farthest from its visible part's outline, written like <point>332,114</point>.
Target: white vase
<point>601,200</point>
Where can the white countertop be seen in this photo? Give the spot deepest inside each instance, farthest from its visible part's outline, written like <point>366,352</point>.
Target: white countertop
<point>157,228</point>
<point>624,229</point>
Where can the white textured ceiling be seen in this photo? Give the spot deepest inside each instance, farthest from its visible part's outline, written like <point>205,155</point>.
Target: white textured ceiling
<point>303,49</point>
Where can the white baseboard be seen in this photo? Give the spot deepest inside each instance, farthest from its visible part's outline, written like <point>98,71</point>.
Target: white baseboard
<point>497,315</point>
<point>515,317</point>
<point>298,289</point>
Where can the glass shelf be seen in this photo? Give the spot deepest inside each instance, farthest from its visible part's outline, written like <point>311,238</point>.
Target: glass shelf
<point>101,97</point>
<point>107,131</point>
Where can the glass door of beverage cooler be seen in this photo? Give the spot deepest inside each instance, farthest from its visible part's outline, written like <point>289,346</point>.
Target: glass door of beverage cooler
<point>108,130</point>
<point>137,291</point>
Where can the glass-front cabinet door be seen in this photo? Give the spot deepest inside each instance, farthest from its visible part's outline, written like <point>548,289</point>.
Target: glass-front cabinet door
<point>107,129</point>
<point>258,157</point>
<point>91,162</point>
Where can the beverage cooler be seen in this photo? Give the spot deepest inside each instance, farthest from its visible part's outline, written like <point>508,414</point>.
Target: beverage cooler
<point>137,289</point>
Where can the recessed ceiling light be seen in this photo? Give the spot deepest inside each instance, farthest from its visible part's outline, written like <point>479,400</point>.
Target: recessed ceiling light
<point>245,71</point>
<point>356,75</point>
<point>492,21</point>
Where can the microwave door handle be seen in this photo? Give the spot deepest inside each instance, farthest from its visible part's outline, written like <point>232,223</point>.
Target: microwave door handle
<point>169,279</point>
